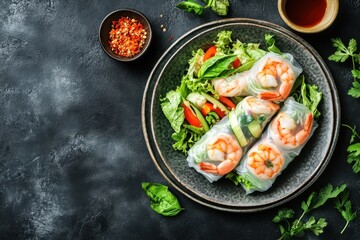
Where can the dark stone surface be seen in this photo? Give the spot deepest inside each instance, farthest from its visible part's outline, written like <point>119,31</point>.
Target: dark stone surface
<point>72,150</point>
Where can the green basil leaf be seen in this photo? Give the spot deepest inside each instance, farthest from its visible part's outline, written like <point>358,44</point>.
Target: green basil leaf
<point>162,200</point>
<point>191,7</point>
<point>221,66</point>
<point>208,63</point>
<point>215,66</point>
<point>232,71</point>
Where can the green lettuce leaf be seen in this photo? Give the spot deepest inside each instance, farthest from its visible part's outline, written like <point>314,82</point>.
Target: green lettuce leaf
<point>238,179</point>
<point>220,7</point>
<point>223,42</point>
<point>170,105</point>
<point>197,85</point>
<point>247,52</point>
<point>195,64</point>
<point>309,95</point>
<point>270,43</point>
<point>187,137</point>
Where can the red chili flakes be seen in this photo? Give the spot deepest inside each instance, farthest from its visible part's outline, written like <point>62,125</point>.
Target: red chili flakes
<point>127,37</point>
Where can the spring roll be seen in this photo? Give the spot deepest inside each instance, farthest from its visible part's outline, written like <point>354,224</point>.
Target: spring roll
<point>271,78</point>
<point>220,149</point>
<point>282,141</point>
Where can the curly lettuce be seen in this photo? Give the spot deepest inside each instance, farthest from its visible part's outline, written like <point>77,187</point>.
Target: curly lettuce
<point>223,42</point>
<point>186,137</point>
<point>308,95</point>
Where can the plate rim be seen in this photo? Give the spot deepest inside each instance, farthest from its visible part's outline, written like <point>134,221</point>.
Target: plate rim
<point>208,27</point>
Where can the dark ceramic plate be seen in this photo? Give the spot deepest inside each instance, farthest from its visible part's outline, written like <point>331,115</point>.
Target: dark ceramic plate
<point>224,195</point>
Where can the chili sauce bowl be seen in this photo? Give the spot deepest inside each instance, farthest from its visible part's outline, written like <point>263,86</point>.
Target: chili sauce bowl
<point>106,26</point>
<point>328,10</point>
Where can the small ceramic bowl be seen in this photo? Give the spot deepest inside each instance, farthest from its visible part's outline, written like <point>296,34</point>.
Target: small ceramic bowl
<point>105,28</point>
<point>332,7</point>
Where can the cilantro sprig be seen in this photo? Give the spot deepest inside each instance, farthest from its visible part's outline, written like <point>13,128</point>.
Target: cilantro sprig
<point>343,53</point>
<point>354,149</point>
<point>343,205</point>
<point>290,228</point>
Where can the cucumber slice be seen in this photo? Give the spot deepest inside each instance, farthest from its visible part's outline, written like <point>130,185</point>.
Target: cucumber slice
<point>235,126</point>
<point>216,103</point>
<point>255,128</point>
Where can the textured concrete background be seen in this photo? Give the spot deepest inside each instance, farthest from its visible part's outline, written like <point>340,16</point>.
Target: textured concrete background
<point>72,150</point>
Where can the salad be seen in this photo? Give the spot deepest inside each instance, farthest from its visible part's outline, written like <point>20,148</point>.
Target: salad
<point>225,100</point>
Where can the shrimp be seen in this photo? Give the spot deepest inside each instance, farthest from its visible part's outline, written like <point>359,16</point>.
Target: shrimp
<point>287,133</point>
<point>232,86</point>
<point>265,161</point>
<point>278,76</point>
<point>258,106</point>
<point>224,149</point>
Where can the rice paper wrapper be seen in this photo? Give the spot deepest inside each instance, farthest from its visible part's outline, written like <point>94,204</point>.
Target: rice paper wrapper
<point>266,160</point>
<point>250,111</point>
<point>233,86</point>
<point>271,77</point>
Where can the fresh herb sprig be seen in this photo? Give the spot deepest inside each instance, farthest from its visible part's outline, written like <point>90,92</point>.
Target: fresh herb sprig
<point>343,205</point>
<point>354,149</point>
<point>220,7</point>
<point>297,228</point>
<point>343,53</point>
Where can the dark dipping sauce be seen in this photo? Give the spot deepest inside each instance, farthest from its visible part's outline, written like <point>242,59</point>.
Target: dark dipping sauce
<point>305,13</point>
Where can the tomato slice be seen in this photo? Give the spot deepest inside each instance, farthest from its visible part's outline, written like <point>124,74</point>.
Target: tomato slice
<point>209,53</point>
<point>227,102</point>
<point>236,63</point>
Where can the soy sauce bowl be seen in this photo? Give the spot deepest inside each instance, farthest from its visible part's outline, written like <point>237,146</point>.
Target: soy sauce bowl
<point>331,11</point>
<point>106,26</point>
